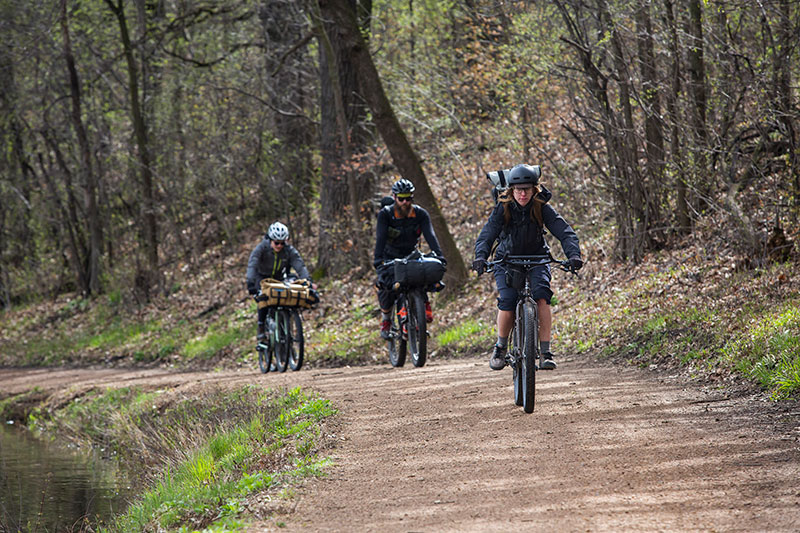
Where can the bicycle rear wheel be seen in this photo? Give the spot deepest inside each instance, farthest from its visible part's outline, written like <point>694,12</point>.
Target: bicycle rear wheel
<point>530,352</point>
<point>417,327</point>
<point>295,341</point>
<point>282,340</point>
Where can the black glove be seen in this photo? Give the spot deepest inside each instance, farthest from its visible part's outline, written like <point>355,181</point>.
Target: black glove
<point>575,263</point>
<point>479,265</point>
<point>252,290</point>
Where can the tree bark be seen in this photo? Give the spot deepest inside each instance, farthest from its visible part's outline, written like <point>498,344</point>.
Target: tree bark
<point>148,276</point>
<point>90,280</point>
<point>392,133</point>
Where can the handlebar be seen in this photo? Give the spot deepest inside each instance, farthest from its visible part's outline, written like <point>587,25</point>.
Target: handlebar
<point>529,261</point>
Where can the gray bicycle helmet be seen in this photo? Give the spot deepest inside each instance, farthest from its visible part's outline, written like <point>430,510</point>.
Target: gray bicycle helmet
<point>278,232</point>
<point>523,174</point>
<point>403,186</point>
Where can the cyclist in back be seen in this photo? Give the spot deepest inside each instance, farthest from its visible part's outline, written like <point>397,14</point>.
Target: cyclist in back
<point>398,231</point>
<point>518,222</point>
<point>273,258</point>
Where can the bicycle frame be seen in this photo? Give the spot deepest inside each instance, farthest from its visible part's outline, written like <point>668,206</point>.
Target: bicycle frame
<point>524,351</point>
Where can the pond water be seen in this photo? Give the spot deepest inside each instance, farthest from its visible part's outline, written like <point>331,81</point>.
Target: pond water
<point>47,487</point>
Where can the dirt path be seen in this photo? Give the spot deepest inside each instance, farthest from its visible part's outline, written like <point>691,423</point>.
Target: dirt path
<point>443,448</point>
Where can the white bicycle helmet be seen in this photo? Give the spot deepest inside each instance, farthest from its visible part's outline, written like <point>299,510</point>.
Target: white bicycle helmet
<point>278,232</point>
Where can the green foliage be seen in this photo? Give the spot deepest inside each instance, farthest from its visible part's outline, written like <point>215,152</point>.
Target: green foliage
<point>212,448</point>
<point>768,348</point>
<point>465,336</point>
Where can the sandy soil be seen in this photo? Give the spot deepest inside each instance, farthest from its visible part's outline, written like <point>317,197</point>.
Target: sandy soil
<point>443,448</point>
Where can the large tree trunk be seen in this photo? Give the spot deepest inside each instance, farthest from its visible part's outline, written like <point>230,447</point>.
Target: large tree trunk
<point>676,154</point>
<point>654,137</point>
<point>148,275</point>
<point>90,279</point>
<point>697,93</point>
<point>404,157</point>
<point>346,186</point>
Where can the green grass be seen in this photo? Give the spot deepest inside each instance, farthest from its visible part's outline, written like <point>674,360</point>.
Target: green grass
<point>213,450</point>
<point>759,338</point>
<point>466,337</point>
<point>768,348</point>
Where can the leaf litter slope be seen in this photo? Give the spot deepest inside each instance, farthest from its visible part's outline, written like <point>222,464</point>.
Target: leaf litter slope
<point>443,448</point>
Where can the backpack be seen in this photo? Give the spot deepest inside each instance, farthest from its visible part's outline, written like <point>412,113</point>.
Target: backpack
<point>499,184</point>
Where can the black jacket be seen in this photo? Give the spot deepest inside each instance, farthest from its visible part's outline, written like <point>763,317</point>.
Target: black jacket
<point>397,237</point>
<point>265,263</point>
<point>524,236</point>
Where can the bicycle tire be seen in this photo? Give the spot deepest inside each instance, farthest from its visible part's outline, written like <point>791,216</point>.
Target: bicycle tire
<point>281,340</point>
<point>296,341</point>
<point>395,343</point>
<point>417,327</point>
<point>530,352</point>
<point>264,357</point>
<point>516,363</point>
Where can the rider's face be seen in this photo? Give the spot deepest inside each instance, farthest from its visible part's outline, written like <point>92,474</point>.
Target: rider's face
<point>403,204</point>
<point>523,194</point>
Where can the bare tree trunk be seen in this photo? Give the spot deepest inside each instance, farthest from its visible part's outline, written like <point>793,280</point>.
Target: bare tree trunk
<point>697,91</point>
<point>150,276</point>
<point>392,133</point>
<point>654,137</point>
<point>89,181</point>
<point>676,153</point>
<point>346,183</point>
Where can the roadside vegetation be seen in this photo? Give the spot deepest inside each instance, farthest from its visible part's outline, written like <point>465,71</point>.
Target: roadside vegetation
<point>208,461</point>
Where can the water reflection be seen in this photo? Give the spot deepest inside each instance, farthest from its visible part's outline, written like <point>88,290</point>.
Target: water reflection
<point>45,487</point>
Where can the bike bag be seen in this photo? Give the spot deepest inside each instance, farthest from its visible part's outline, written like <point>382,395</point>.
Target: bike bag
<point>296,294</point>
<point>418,271</point>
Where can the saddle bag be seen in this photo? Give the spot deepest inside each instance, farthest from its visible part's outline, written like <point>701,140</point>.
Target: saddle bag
<point>295,294</point>
<point>418,271</point>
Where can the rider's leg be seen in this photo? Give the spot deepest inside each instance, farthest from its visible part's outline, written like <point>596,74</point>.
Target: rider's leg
<point>262,317</point>
<point>540,287</point>
<point>505,320</point>
<point>386,298</point>
<point>545,320</point>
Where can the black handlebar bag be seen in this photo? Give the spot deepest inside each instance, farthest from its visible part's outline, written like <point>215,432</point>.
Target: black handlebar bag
<point>421,271</point>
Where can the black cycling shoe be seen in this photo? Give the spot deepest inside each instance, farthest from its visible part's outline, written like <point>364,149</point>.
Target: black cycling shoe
<point>498,359</point>
<point>546,362</point>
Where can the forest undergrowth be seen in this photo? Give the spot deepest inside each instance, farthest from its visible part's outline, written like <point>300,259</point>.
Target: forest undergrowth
<point>695,306</point>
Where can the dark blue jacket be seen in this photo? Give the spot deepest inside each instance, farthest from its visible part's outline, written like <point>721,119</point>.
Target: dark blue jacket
<point>523,236</point>
<point>397,237</point>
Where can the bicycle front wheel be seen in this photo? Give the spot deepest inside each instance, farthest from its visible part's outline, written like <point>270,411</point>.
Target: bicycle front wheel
<point>530,353</point>
<point>264,356</point>
<point>296,341</point>
<point>396,344</point>
<point>516,360</point>
<point>282,340</point>
<point>417,327</point>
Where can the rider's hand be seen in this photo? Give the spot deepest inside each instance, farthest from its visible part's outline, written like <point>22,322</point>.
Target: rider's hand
<point>252,290</point>
<point>575,263</point>
<point>479,265</point>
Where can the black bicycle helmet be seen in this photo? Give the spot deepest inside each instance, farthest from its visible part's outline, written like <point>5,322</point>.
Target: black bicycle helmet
<point>403,186</point>
<point>522,174</point>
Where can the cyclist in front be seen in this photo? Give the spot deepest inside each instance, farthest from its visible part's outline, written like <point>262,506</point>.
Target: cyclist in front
<point>518,221</point>
<point>272,258</point>
<point>398,231</point>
